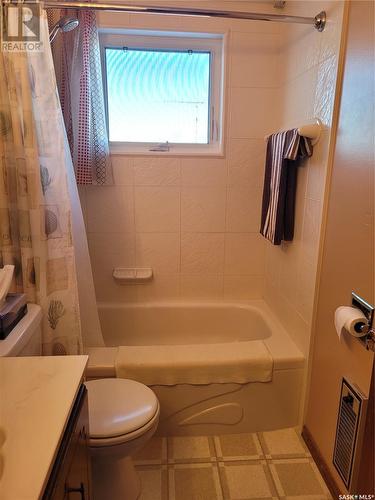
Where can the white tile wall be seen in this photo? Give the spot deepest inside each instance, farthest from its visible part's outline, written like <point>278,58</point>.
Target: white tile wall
<point>157,209</point>
<point>308,86</point>
<point>195,221</point>
<point>203,209</point>
<point>202,253</point>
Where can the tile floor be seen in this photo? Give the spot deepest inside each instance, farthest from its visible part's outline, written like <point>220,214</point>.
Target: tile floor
<point>263,466</point>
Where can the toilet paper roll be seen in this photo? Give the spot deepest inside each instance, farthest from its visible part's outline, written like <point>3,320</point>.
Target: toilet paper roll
<point>349,319</point>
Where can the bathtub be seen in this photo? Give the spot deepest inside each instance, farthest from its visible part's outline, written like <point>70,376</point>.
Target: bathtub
<point>213,408</point>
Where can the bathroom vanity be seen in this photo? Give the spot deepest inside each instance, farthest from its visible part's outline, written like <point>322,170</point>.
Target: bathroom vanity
<point>43,428</point>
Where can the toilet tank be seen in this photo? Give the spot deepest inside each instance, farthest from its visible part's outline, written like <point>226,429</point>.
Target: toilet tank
<point>26,337</point>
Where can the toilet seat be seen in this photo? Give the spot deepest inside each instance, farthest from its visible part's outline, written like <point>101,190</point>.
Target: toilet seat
<point>120,410</point>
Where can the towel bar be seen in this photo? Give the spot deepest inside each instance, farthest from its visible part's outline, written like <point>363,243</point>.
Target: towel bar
<point>311,130</point>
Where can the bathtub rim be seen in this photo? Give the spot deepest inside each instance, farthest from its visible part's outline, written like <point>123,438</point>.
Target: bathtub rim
<point>285,353</point>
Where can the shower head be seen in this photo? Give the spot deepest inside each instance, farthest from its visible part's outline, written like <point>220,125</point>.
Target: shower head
<point>64,24</point>
<point>68,23</point>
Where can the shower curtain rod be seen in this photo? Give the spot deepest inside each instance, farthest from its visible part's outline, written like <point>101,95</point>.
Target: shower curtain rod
<point>318,22</point>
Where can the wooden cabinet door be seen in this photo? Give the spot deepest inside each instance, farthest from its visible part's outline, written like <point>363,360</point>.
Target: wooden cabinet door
<point>70,476</point>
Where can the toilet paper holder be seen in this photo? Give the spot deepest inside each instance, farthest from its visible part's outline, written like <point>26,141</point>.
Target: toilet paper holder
<point>368,340</point>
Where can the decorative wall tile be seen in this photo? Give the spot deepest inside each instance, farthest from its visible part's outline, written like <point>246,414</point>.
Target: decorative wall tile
<point>246,162</point>
<point>194,286</point>
<point>325,90</point>
<point>156,171</point>
<point>122,247</point>
<point>161,251</point>
<point>243,210</point>
<point>110,209</point>
<point>318,169</point>
<point>272,264</point>
<point>310,66</point>
<point>305,287</point>
<point>105,257</point>
<point>162,287</point>
<point>303,50</point>
<point>157,209</point>
<point>255,60</point>
<point>155,21</point>
<point>252,113</point>
<point>202,253</point>
<point>123,170</point>
<point>238,248</point>
<point>203,172</point>
<point>331,36</point>
<point>216,202</point>
<point>311,230</point>
<point>298,99</point>
<point>289,257</point>
<point>243,287</point>
<point>203,209</point>
<point>108,20</point>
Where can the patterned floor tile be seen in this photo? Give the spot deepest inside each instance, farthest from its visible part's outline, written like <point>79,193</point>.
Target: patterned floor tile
<point>154,452</point>
<point>194,482</point>
<point>265,466</point>
<point>298,479</point>
<point>154,482</point>
<point>238,447</point>
<point>283,443</point>
<point>246,480</point>
<point>188,449</point>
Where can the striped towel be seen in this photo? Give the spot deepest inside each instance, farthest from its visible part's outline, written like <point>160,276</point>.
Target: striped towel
<point>280,181</point>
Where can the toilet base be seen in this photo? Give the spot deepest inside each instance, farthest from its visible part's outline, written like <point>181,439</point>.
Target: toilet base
<point>114,479</point>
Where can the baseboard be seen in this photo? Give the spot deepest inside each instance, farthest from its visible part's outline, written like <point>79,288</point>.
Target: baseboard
<point>321,463</point>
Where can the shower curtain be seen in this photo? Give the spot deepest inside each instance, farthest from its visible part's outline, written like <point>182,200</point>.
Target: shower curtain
<point>35,205</point>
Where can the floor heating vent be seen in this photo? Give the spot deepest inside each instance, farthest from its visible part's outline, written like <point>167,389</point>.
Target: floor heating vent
<point>348,432</point>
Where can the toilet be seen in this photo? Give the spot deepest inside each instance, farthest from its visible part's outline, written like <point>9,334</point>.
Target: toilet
<point>123,416</point>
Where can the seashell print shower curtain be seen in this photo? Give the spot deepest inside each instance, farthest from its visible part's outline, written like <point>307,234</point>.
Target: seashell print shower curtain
<point>35,211</point>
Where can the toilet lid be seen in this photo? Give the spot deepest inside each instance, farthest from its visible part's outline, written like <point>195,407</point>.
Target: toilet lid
<point>119,406</point>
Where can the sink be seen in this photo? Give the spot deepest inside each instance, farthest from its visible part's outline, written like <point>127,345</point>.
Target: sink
<point>26,337</point>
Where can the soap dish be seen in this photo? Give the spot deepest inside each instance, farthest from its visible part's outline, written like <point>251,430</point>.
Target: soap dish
<point>132,275</point>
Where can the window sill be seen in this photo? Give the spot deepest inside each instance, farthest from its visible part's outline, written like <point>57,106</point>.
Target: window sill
<point>124,150</point>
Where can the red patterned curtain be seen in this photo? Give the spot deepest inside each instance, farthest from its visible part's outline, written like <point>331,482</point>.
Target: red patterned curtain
<point>79,77</point>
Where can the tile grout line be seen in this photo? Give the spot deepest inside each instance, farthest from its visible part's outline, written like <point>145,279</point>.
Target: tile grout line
<point>219,464</point>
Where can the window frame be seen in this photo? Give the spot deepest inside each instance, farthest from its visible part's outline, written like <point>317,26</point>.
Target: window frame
<point>174,41</point>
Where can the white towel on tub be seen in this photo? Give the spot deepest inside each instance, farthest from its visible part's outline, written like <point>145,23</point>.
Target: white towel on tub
<point>231,362</point>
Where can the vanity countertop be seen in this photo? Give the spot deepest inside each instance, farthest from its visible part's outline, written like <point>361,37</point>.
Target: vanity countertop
<point>36,397</point>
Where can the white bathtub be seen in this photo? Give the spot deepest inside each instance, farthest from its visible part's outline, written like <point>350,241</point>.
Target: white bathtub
<point>212,408</point>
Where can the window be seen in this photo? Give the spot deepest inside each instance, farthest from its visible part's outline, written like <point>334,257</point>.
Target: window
<point>163,93</point>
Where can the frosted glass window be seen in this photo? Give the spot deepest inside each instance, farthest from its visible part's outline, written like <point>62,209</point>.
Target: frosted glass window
<point>155,96</point>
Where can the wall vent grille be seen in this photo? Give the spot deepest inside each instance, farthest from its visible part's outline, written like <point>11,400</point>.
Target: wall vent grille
<point>348,420</point>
